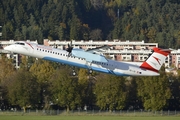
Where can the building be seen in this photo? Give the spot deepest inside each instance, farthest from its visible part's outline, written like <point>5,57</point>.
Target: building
<point>135,51</point>
<point>120,50</point>
<point>117,44</point>
<point>175,58</point>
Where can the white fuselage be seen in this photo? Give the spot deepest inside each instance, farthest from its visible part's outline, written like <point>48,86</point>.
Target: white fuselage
<point>61,56</point>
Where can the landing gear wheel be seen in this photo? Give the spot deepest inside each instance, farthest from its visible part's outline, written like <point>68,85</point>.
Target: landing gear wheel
<point>90,71</point>
<point>73,73</point>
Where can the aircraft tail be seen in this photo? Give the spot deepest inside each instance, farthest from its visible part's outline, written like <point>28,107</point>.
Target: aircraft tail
<point>156,60</point>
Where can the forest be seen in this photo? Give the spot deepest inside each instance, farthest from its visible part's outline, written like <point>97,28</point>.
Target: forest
<point>40,84</point>
<point>148,20</point>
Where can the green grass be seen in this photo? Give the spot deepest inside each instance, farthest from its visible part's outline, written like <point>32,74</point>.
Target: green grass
<point>11,117</point>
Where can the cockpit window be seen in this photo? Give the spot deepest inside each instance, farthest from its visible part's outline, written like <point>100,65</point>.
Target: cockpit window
<point>19,43</point>
<point>22,44</point>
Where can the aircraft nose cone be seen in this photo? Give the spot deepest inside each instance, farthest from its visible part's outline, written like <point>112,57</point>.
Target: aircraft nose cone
<point>8,48</point>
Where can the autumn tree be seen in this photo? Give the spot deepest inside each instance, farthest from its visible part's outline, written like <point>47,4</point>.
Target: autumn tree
<point>43,71</point>
<point>22,89</point>
<point>65,92</point>
<point>110,92</point>
<point>26,62</point>
<point>96,34</point>
<point>154,91</point>
<point>86,83</point>
<point>6,67</point>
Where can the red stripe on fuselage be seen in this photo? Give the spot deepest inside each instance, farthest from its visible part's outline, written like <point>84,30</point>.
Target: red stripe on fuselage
<point>29,45</point>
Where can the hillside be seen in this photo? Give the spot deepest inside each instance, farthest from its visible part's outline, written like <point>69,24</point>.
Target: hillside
<point>149,20</point>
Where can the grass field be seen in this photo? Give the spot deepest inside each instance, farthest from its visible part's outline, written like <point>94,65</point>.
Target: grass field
<point>7,117</point>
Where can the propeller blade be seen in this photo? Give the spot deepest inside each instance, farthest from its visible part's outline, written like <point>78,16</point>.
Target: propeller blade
<point>69,49</point>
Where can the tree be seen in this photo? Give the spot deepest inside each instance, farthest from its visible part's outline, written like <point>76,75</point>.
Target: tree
<point>4,32</point>
<point>16,17</point>
<point>75,28</point>
<point>154,91</point>
<point>96,34</point>
<point>22,89</point>
<point>151,34</point>
<point>61,31</point>
<point>160,37</point>
<point>26,63</point>
<point>65,92</point>
<point>18,35</point>
<point>64,13</point>
<point>85,30</point>
<point>43,71</point>
<point>115,18</point>
<point>86,83</point>
<point>133,101</point>
<point>97,4</point>
<point>6,68</point>
<point>117,30</point>
<point>83,83</point>
<point>174,101</point>
<point>110,92</point>
<point>24,32</point>
<point>10,30</point>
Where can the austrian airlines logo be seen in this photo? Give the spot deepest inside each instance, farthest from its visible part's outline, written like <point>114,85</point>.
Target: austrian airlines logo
<point>157,59</point>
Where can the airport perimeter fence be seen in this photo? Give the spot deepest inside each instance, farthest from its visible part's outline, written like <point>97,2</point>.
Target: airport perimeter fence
<point>93,113</point>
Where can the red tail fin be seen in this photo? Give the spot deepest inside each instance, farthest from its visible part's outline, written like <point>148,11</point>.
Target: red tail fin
<point>156,60</point>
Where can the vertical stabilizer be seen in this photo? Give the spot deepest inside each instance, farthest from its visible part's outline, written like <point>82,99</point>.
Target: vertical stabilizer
<point>156,60</point>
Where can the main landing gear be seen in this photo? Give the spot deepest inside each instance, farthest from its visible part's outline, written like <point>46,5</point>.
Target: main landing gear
<point>89,67</point>
<point>90,71</point>
<point>73,73</point>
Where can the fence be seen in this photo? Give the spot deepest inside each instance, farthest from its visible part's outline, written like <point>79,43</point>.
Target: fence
<point>93,113</point>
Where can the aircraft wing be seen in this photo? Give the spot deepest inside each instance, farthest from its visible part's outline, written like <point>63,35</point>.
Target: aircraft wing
<point>88,56</point>
<point>98,49</point>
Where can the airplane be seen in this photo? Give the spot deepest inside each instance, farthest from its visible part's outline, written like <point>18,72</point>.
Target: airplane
<point>95,62</point>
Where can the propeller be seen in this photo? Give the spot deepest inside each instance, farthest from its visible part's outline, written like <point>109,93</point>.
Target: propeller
<point>70,48</point>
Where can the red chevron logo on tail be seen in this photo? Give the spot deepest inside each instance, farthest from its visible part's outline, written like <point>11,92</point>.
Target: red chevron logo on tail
<point>157,59</point>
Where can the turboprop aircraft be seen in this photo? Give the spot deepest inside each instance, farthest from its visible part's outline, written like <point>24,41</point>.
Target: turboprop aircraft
<point>96,62</point>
